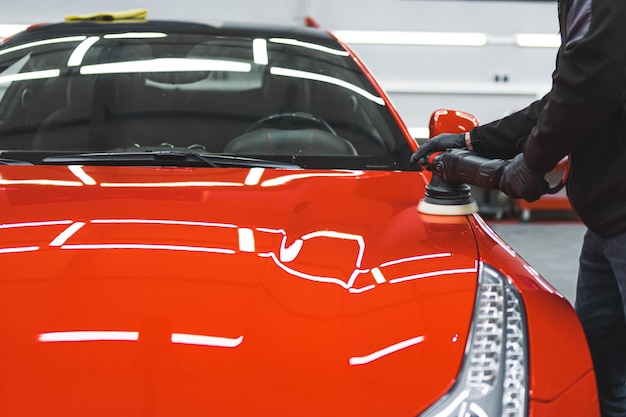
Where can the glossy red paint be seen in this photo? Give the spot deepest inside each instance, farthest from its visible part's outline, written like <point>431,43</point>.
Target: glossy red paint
<point>153,291</point>
<point>560,365</point>
<point>450,121</point>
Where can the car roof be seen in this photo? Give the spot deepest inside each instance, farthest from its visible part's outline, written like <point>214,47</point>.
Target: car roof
<point>221,28</point>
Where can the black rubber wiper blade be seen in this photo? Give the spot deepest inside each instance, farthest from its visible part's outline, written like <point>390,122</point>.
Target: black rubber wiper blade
<point>163,158</point>
<point>7,161</point>
<point>147,158</point>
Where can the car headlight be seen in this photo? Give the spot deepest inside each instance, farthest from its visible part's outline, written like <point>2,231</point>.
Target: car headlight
<point>493,380</point>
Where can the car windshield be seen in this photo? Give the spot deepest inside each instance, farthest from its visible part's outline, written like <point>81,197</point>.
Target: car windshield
<point>116,88</point>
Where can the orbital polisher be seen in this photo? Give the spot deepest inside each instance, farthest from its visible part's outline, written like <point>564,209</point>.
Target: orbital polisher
<point>448,192</point>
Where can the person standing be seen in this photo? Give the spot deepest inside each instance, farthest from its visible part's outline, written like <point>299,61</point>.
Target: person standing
<point>583,116</point>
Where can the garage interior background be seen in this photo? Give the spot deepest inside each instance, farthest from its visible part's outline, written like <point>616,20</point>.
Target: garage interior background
<point>489,58</point>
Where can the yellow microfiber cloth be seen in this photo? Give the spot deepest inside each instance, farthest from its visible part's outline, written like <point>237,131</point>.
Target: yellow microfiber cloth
<point>134,14</point>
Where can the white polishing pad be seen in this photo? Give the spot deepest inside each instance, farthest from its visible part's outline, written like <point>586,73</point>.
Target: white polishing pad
<point>447,210</point>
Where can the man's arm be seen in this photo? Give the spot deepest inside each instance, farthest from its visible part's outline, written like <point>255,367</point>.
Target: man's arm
<point>588,85</point>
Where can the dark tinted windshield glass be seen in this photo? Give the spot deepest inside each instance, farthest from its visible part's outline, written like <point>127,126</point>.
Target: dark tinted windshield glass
<point>271,96</point>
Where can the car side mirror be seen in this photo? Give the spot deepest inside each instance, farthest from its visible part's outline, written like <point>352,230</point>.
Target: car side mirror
<point>450,121</point>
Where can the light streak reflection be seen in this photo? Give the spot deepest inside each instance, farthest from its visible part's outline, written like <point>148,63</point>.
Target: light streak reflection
<point>81,50</point>
<point>259,51</point>
<point>89,336</point>
<point>66,234</point>
<point>433,274</point>
<point>309,45</point>
<point>286,72</point>
<point>136,35</point>
<point>80,173</point>
<point>149,247</point>
<point>58,183</point>
<point>19,249</point>
<point>254,176</point>
<point>165,65</point>
<point>43,42</point>
<point>246,240</point>
<point>487,229</point>
<point>415,258</point>
<point>170,184</point>
<point>32,75</point>
<point>362,360</point>
<point>163,222</point>
<point>131,336</point>
<point>35,224</point>
<point>284,179</point>
<point>200,340</point>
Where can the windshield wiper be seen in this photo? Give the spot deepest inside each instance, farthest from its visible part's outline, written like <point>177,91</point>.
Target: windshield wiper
<point>7,161</point>
<point>165,158</point>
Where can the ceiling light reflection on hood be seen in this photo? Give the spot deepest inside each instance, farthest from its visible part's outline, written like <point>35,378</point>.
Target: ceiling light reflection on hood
<point>362,360</point>
<point>35,224</point>
<point>433,274</point>
<point>19,250</point>
<point>141,246</point>
<point>129,336</point>
<point>78,171</point>
<point>58,183</point>
<point>89,336</point>
<point>200,340</point>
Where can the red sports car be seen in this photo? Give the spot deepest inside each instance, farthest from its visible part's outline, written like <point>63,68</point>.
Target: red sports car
<point>222,220</point>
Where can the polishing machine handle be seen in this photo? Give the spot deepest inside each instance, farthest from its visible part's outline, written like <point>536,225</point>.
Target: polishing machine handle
<point>464,166</point>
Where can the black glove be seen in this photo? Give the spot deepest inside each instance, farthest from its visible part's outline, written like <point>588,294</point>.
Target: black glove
<point>438,143</point>
<point>519,180</point>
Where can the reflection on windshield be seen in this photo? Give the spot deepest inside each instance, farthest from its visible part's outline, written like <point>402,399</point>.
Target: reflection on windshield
<point>150,89</point>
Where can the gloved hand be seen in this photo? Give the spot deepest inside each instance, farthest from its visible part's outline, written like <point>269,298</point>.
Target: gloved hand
<point>519,180</point>
<point>439,143</point>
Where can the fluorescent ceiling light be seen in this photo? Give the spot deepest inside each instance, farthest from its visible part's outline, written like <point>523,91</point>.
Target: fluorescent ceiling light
<point>530,40</point>
<point>411,38</point>
<point>538,40</point>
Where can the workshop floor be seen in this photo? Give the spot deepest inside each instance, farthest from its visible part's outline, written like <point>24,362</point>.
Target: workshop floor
<point>550,243</point>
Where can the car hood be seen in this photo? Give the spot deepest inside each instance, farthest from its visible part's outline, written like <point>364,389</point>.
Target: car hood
<point>170,291</point>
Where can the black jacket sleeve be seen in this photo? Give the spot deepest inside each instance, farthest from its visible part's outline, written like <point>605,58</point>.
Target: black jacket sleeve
<point>505,138</point>
<point>588,85</point>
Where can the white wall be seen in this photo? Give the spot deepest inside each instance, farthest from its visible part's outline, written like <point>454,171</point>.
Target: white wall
<point>418,79</point>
